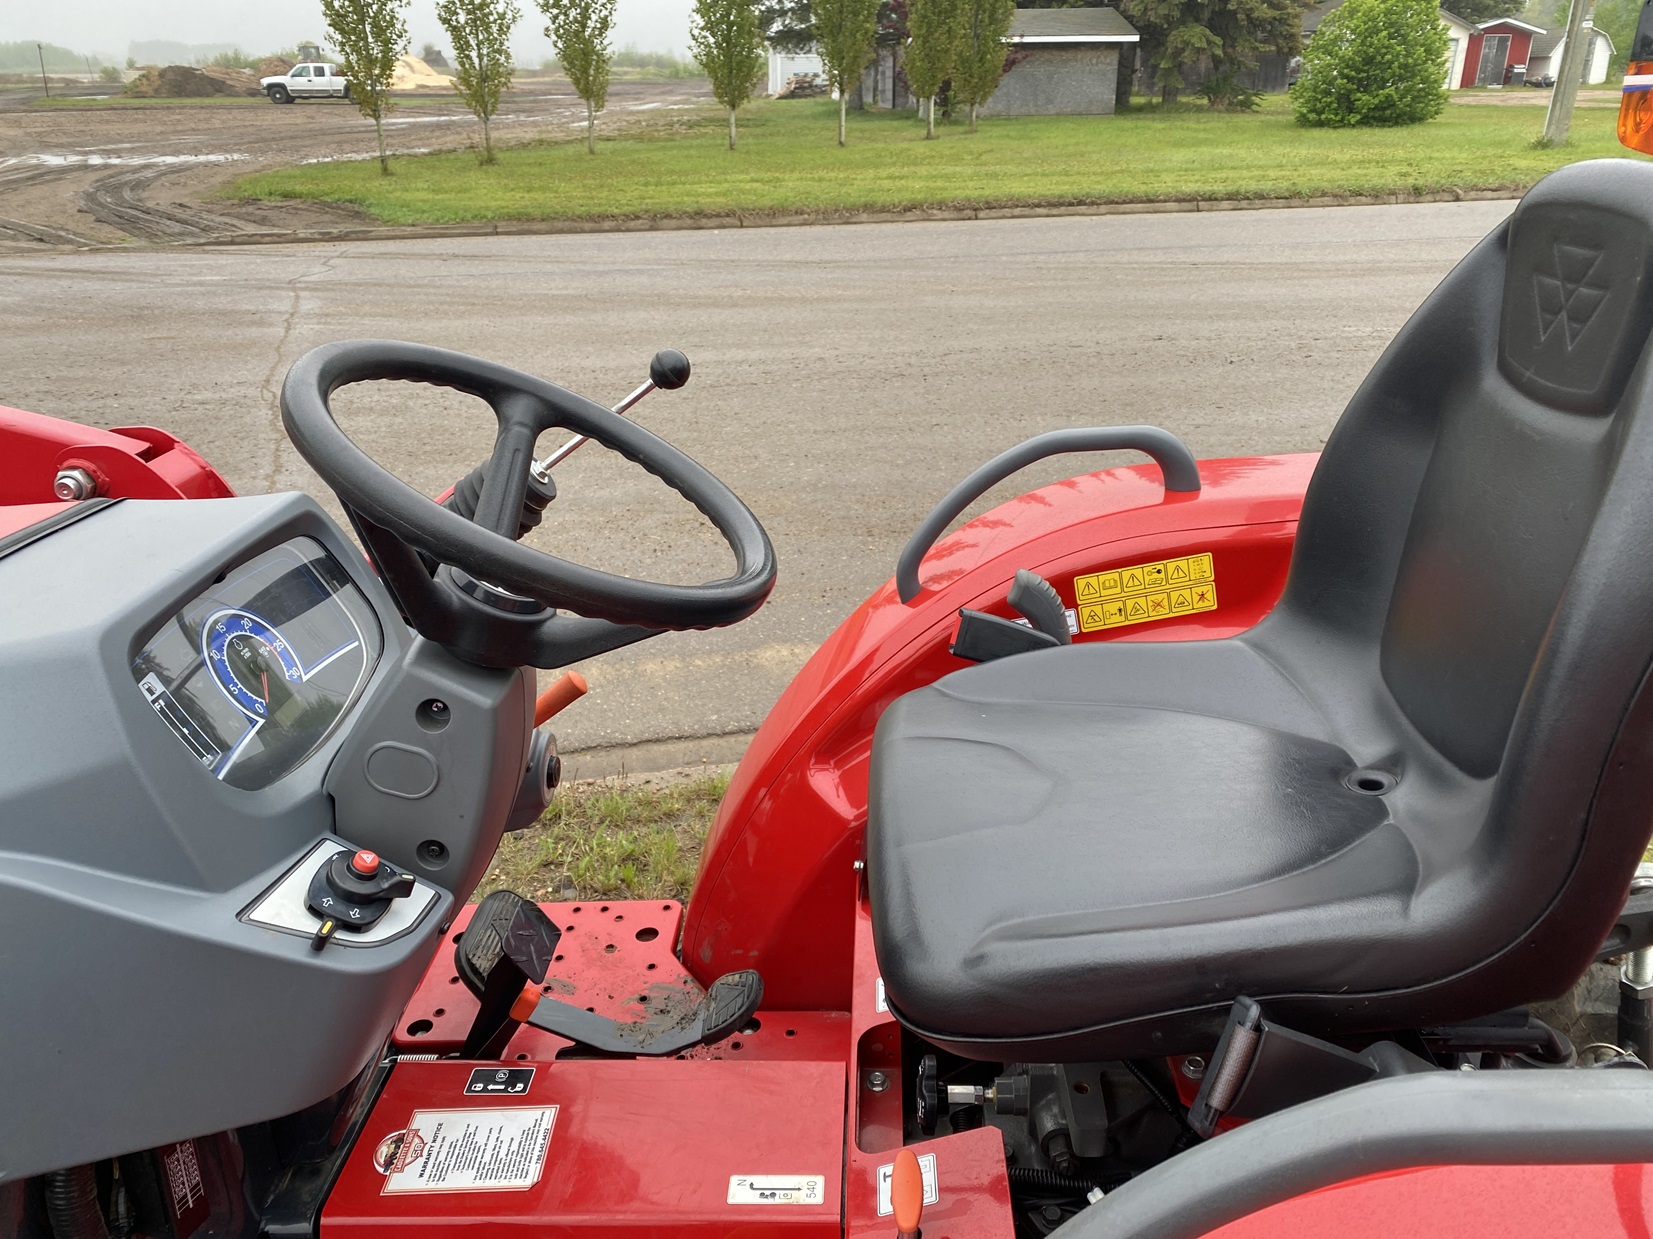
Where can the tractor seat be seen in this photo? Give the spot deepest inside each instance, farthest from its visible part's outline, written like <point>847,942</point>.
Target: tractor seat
<point>1415,794</point>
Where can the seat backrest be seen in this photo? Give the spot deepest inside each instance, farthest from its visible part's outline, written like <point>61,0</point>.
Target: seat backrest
<point>1484,513</point>
<point>1522,461</point>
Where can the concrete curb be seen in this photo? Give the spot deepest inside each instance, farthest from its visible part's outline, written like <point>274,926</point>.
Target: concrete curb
<point>649,756</point>
<point>556,227</point>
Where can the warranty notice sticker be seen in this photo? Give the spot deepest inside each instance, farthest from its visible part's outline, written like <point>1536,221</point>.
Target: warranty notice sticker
<point>1144,592</point>
<point>499,1150</point>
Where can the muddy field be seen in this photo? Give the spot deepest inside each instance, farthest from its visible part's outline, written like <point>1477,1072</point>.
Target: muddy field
<point>103,173</point>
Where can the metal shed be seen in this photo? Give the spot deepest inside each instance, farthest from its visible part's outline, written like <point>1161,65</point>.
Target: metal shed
<point>1066,62</point>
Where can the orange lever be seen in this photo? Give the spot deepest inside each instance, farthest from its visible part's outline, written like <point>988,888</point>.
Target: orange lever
<point>907,1194</point>
<point>564,693</point>
<point>526,1001</point>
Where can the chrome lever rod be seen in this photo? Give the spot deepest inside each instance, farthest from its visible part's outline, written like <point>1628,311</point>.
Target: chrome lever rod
<point>543,466</point>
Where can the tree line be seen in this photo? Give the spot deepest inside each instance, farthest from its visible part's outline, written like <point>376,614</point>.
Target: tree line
<point>949,49</point>
<point>952,45</point>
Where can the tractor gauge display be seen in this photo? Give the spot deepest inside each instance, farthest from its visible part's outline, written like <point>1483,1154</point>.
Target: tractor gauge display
<point>255,673</point>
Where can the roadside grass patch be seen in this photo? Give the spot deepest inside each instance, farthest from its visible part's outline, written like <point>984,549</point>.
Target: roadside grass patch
<point>787,162</point>
<point>611,839</point>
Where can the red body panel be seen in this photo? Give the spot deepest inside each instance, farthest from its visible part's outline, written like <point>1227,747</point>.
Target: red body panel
<point>647,1147</point>
<point>638,1148</point>
<point>1466,1202</point>
<point>791,824</point>
<point>132,462</point>
<point>972,1188</point>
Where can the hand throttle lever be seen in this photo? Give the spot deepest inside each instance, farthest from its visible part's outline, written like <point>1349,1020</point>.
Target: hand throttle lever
<point>668,370</point>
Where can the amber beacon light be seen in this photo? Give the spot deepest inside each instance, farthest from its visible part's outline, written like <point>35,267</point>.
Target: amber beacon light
<point>1636,107</point>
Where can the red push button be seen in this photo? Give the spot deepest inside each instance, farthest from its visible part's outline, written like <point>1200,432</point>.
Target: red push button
<point>364,864</point>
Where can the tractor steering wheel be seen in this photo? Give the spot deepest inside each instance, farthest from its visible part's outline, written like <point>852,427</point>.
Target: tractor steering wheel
<point>493,602</point>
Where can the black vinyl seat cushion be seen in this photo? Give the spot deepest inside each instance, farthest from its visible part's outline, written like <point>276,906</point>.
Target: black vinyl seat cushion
<point>1082,839</point>
<point>1088,852</point>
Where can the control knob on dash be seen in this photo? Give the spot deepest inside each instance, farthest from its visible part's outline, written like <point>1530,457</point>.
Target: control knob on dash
<point>351,891</point>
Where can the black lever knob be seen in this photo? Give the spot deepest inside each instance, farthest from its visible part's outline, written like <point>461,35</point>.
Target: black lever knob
<point>346,880</point>
<point>669,370</point>
<point>356,889</point>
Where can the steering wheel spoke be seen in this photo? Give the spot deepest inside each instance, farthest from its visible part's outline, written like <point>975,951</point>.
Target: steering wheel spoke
<point>397,521</point>
<point>522,419</point>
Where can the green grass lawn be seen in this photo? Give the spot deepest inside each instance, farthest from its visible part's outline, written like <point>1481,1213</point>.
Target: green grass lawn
<point>611,839</point>
<point>788,162</point>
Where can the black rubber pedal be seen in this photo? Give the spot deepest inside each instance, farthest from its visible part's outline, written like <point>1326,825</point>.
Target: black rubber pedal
<point>508,943</point>
<point>731,1002</point>
<point>505,925</point>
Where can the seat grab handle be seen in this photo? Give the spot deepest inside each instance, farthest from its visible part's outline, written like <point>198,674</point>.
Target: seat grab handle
<point>1175,462</point>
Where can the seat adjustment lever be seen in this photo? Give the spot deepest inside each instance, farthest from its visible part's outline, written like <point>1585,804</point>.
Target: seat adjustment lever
<point>1036,600</point>
<point>1260,1067</point>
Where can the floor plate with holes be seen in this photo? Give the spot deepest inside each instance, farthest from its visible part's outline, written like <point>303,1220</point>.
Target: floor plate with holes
<point>615,959</point>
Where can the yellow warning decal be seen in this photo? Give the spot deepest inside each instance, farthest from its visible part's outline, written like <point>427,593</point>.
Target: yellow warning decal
<point>1145,592</point>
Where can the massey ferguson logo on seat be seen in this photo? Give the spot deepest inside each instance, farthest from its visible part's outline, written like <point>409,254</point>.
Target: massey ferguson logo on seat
<point>1567,296</point>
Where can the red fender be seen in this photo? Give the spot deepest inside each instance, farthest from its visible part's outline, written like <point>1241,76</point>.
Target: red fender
<point>777,883</point>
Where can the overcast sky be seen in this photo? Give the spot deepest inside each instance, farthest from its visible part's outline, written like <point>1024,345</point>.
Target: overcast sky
<point>106,26</point>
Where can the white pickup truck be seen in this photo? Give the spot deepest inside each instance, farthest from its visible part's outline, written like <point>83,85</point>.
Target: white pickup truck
<point>311,81</point>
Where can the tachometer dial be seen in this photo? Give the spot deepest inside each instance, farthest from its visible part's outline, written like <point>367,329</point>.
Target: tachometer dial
<point>246,656</point>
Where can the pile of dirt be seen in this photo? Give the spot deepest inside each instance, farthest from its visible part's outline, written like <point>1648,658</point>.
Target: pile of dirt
<point>240,81</point>
<point>414,74</point>
<point>274,66</point>
<point>185,82</point>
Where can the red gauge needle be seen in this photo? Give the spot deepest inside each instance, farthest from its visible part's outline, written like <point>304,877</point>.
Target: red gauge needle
<point>265,676</point>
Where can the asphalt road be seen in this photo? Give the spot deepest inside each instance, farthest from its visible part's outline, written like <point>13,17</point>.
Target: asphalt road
<point>845,378</point>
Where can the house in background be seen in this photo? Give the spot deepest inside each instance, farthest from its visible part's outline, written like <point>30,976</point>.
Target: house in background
<point>785,65</point>
<point>1062,62</point>
<point>1067,62</point>
<point>1547,50</point>
<point>1459,32</point>
<point>1500,52</point>
<point>1496,46</point>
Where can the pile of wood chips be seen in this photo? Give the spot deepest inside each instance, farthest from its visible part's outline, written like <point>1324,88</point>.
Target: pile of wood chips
<point>803,86</point>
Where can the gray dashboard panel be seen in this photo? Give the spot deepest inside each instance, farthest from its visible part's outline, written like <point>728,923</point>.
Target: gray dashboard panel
<point>135,1007</point>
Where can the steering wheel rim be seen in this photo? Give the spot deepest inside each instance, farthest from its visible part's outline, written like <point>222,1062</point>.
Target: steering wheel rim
<point>524,406</point>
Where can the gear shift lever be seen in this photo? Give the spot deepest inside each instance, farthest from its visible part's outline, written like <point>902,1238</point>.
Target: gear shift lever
<point>668,370</point>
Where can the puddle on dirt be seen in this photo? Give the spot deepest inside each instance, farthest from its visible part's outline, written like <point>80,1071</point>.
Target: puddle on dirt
<point>364,156</point>
<point>100,161</point>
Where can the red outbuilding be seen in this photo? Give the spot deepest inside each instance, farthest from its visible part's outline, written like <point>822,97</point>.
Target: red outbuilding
<point>1497,53</point>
